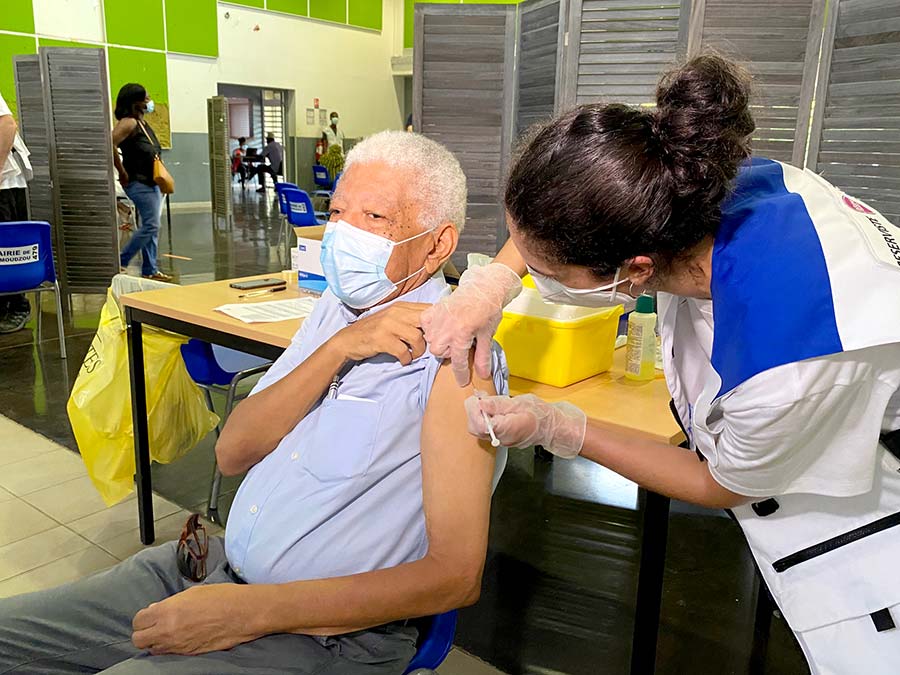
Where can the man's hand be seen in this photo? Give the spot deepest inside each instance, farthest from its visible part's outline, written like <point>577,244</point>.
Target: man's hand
<point>124,179</point>
<point>393,330</point>
<point>198,620</point>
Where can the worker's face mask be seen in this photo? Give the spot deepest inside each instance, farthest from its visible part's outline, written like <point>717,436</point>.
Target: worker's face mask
<point>607,295</point>
<point>334,121</point>
<point>150,106</point>
<point>354,262</point>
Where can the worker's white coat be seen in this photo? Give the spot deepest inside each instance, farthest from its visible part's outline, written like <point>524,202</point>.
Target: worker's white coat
<point>784,383</point>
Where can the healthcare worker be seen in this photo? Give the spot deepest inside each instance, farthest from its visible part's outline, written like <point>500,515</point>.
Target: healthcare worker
<point>779,311</point>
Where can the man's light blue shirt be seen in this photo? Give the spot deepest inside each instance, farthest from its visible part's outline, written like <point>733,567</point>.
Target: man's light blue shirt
<point>342,492</point>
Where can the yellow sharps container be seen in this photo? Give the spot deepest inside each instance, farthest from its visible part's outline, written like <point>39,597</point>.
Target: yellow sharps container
<point>557,344</point>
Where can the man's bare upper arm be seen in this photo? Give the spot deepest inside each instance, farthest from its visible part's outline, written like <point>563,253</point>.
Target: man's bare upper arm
<point>457,471</point>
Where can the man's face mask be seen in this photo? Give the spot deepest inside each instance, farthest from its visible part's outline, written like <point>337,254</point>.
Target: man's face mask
<point>334,121</point>
<point>354,262</point>
<point>150,106</point>
<point>606,295</point>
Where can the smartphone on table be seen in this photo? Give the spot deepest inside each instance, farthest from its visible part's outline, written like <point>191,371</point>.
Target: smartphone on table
<point>257,283</point>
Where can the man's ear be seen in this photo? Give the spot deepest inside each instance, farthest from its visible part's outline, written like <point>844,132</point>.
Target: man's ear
<point>446,237</point>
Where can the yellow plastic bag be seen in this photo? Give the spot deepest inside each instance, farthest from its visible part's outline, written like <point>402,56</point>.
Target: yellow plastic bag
<point>100,404</point>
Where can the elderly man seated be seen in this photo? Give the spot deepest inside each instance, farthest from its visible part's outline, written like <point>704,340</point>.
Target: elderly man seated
<point>366,500</point>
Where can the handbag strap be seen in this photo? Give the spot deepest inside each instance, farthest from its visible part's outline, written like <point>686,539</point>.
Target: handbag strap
<point>152,144</point>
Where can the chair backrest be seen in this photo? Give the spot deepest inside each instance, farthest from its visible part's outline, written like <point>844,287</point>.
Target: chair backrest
<point>435,641</point>
<point>320,176</point>
<point>282,202</point>
<point>26,255</point>
<point>300,211</point>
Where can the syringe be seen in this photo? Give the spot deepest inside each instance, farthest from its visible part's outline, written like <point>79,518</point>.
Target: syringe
<point>495,442</point>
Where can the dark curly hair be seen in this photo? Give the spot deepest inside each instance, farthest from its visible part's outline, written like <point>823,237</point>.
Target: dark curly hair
<point>603,183</point>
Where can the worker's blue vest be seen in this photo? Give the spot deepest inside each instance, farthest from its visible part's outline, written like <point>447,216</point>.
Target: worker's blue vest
<point>799,270</point>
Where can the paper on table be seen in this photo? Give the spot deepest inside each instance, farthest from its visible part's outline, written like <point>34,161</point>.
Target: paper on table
<point>276,310</point>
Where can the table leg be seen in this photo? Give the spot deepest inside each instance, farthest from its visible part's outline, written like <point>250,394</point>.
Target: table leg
<point>141,433</point>
<point>762,626</point>
<point>654,530</point>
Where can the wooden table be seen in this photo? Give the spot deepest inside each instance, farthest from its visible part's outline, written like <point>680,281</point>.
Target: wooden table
<point>188,310</point>
<point>637,407</point>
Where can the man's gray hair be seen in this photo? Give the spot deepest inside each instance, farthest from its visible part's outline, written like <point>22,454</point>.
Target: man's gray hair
<point>438,179</point>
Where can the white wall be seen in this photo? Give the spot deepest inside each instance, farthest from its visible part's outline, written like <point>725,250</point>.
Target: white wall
<point>80,20</point>
<point>347,69</point>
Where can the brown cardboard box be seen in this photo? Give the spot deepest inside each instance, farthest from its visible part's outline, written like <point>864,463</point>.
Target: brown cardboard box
<point>312,232</point>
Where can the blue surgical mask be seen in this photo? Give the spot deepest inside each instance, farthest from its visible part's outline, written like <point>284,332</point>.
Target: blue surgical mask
<point>150,106</point>
<point>607,295</point>
<point>354,262</point>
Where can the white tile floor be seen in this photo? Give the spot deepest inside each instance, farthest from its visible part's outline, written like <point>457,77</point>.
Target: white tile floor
<point>54,528</point>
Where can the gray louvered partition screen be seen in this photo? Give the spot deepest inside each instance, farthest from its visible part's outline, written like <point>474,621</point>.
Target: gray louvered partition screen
<point>855,142</point>
<point>620,47</point>
<point>463,91</point>
<point>219,157</point>
<point>773,39</point>
<point>76,96</point>
<point>33,128</point>
<point>541,24</point>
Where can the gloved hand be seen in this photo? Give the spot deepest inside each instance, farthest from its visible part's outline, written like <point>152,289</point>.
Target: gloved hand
<point>526,420</point>
<point>470,314</point>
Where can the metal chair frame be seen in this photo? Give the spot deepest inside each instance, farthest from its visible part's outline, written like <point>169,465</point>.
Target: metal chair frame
<point>46,286</point>
<point>230,393</point>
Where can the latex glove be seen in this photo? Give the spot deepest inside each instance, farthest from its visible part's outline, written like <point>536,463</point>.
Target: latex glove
<point>523,421</point>
<point>470,314</point>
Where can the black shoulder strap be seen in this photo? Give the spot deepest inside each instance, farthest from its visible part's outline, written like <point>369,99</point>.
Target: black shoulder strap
<point>891,440</point>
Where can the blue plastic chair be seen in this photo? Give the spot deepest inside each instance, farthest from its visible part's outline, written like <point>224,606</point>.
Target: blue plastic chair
<point>282,202</point>
<point>322,178</point>
<point>28,268</point>
<point>219,369</point>
<point>435,641</point>
<point>300,208</point>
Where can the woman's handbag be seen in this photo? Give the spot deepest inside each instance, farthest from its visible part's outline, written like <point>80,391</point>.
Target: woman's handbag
<point>161,175</point>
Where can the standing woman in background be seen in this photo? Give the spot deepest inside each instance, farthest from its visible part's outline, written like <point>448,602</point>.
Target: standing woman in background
<point>139,145</point>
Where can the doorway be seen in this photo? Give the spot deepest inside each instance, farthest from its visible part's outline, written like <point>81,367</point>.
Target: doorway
<point>254,113</point>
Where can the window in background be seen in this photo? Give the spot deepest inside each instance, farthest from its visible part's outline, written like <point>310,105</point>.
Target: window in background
<point>273,113</point>
<point>240,121</point>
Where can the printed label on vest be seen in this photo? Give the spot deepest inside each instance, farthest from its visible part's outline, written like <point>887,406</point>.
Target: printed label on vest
<point>882,237</point>
<point>19,255</point>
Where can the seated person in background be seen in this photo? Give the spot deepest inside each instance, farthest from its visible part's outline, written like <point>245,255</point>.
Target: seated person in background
<point>237,160</point>
<point>366,501</point>
<point>273,152</point>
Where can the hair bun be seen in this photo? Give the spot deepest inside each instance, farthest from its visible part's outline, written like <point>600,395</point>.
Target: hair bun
<point>703,123</point>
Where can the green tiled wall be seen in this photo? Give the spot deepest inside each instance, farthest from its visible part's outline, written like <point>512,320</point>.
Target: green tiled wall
<point>135,24</point>
<point>297,7</point>
<point>365,13</point>
<point>191,27</point>
<point>18,16</point>
<point>329,10</point>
